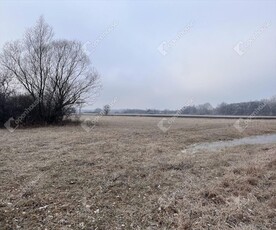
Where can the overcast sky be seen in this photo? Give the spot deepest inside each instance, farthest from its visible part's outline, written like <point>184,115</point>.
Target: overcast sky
<point>163,54</point>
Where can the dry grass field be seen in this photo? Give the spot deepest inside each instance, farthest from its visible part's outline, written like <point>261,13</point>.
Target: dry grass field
<point>128,174</point>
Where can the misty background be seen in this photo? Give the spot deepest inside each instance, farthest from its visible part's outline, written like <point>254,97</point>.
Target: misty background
<point>162,54</point>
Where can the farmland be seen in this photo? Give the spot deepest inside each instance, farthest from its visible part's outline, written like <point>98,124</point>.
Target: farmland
<point>126,173</point>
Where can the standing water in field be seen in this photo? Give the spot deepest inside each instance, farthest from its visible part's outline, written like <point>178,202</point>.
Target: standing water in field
<point>260,139</point>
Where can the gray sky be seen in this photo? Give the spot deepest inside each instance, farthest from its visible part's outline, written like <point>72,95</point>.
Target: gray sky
<point>163,54</point>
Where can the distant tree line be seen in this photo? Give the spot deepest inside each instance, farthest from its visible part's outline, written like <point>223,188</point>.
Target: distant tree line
<point>42,79</point>
<point>253,108</point>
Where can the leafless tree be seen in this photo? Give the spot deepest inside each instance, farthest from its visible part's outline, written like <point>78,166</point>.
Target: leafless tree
<point>5,83</point>
<point>58,73</point>
<point>106,110</point>
<point>5,93</point>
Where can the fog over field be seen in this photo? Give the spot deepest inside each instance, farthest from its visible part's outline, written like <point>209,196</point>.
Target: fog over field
<point>161,54</point>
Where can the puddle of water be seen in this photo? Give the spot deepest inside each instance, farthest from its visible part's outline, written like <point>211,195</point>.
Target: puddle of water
<point>261,139</point>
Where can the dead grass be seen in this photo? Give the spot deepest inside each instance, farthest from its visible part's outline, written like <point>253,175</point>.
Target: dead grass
<point>128,174</point>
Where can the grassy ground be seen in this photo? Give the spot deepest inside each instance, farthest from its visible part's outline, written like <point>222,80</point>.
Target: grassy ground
<point>128,174</point>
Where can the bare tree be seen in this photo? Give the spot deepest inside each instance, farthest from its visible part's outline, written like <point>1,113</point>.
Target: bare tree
<point>58,73</point>
<point>106,110</point>
<point>5,83</point>
<point>5,93</point>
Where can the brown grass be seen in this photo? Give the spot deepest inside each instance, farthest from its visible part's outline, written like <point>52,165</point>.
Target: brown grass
<point>128,174</point>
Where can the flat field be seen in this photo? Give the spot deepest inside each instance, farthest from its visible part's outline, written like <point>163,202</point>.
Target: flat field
<point>128,174</point>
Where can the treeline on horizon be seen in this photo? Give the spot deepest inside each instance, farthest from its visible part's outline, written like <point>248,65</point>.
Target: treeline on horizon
<point>265,107</point>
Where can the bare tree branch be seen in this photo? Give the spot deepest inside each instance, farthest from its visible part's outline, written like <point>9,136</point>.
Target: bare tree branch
<point>57,72</point>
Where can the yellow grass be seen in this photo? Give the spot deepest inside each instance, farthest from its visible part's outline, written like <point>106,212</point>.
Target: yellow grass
<point>127,174</point>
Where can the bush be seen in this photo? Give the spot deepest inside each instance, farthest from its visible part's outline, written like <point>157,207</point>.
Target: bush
<point>19,107</point>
